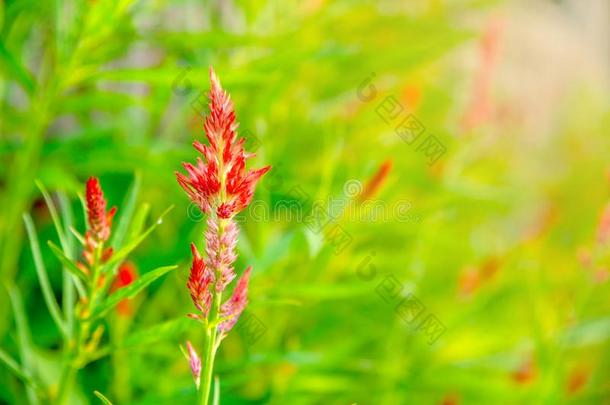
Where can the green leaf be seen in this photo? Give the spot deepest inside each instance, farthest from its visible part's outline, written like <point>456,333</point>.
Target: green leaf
<point>161,332</point>
<point>13,366</point>
<point>130,290</point>
<point>41,271</point>
<point>53,211</point>
<point>122,253</point>
<point>139,220</point>
<point>14,67</point>
<point>99,100</point>
<point>147,336</point>
<point>101,396</point>
<point>77,235</point>
<point>24,337</point>
<point>69,264</point>
<point>127,211</point>
<point>69,280</point>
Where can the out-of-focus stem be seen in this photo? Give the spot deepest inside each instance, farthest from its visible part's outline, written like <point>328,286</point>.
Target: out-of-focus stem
<point>75,343</point>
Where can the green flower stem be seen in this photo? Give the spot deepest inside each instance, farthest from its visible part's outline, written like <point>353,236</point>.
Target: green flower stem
<point>211,332</point>
<point>75,344</point>
<point>210,352</point>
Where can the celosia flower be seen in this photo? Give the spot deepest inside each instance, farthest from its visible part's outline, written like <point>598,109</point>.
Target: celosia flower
<point>195,363</point>
<point>126,275</point>
<point>200,279</point>
<point>221,183</point>
<point>222,187</point>
<point>99,223</point>
<point>236,304</point>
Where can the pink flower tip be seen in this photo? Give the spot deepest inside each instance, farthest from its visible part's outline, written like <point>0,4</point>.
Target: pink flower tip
<point>233,308</point>
<point>195,363</point>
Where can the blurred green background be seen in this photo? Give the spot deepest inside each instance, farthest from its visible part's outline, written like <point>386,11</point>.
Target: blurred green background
<point>500,241</point>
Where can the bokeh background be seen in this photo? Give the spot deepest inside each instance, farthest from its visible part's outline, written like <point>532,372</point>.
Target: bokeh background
<point>497,231</point>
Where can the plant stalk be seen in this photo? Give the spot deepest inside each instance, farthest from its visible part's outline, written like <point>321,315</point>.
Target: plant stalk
<point>210,354</point>
<point>212,330</point>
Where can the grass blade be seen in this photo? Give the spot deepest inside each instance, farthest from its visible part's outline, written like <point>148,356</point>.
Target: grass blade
<point>131,290</point>
<point>47,291</point>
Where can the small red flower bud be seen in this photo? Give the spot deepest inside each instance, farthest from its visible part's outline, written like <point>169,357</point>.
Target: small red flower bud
<point>126,275</point>
<point>99,221</point>
<point>199,282</point>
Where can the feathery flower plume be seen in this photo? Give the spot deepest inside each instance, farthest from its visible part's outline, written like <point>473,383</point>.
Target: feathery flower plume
<point>99,220</point>
<point>99,223</point>
<point>199,282</point>
<point>221,186</point>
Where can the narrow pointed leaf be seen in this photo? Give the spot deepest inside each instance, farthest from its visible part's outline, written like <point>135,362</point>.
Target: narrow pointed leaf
<point>127,212</point>
<point>77,235</point>
<point>13,66</point>
<point>131,290</point>
<point>161,332</point>
<point>69,280</point>
<point>43,278</point>
<point>24,337</point>
<point>122,253</point>
<point>147,336</point>
<point>13,366</point>
<point>54,216</point>
<point>102,398</point>
<point>139,220</point>
<point>69,264</point>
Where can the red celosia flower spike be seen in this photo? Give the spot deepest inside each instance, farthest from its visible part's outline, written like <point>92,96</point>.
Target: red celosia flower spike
<point>199,282</point>
<point>222,187</point>
<point>99,221</point>
<point>221,183</point>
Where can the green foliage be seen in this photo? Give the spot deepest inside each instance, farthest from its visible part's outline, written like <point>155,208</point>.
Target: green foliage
<point>114,89</point>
